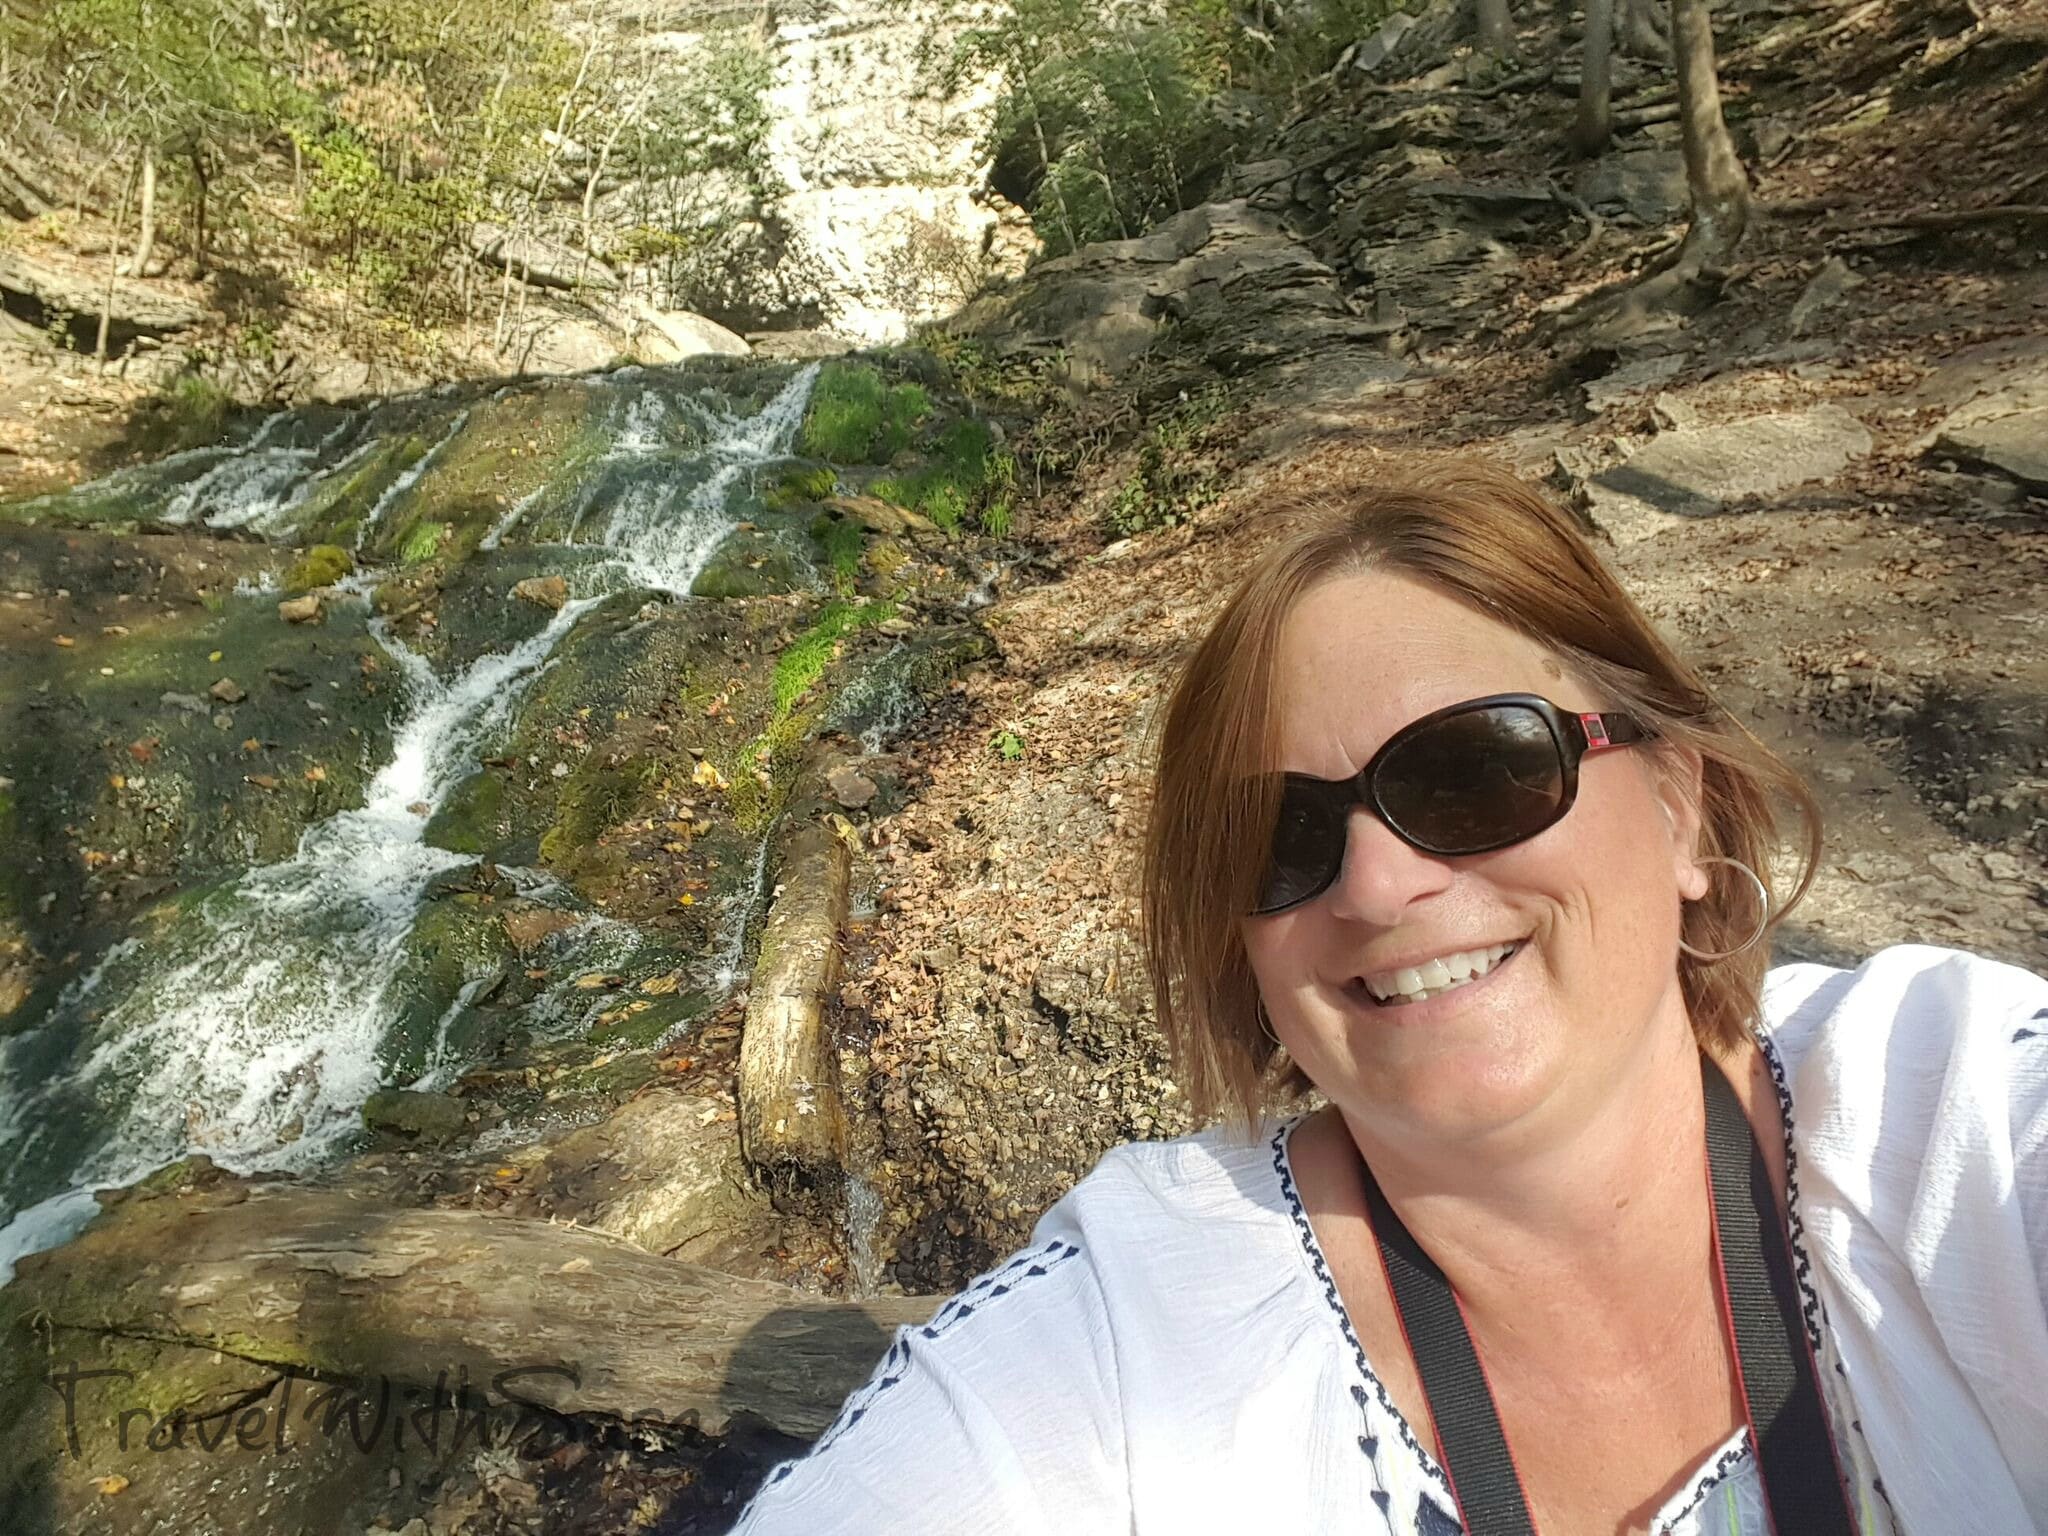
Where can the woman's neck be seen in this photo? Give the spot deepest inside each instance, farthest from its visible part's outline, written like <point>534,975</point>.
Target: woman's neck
<point>1587,1209</point>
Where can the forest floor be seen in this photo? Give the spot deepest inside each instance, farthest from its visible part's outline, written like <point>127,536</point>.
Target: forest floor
<point>1881,624</point>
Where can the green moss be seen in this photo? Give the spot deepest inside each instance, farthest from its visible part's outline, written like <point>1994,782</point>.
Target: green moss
<point>798,487</point>
<point>805,661</point>
<point>962,474</point>
<point>321,566</point>
<point>336,507</point>
<point>857,417</point>
<point>422,543</point>
<point>595,797</point>
<point>843,541</point>
<point>473,818</point>
<point>747,568</point>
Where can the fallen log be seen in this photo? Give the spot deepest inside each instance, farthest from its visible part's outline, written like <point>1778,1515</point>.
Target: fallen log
<point>792,1118</point>
<point>335,1284</point>
<point>131,309</point>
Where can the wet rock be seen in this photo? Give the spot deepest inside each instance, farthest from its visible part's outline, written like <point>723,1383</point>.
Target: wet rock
<point>408,1112</point>
<point>529,929</point>
<point>1700,471</point>
<point>301,610</point>
<point>187,703</point>
<point>850,787</point>
<point>547,591</point>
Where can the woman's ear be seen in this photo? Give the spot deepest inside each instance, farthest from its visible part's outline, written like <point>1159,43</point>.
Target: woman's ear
<point>1677,780</point>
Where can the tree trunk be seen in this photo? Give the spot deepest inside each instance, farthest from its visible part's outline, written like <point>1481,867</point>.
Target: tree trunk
<point>1713,173</point>
<point>1642,28</point>
<point>336,1284</point>
<point>145,239</point>
<point>99,348</point>
<point>1496,30</point>
<point>792,1118</point>
<point>199,196</point>
<point>1596,80</point>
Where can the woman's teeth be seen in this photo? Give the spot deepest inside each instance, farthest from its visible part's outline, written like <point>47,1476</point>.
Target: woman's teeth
<point>1442,974</point>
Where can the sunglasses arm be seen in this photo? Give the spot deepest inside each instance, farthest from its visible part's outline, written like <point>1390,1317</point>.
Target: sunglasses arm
<point>1604,732</point>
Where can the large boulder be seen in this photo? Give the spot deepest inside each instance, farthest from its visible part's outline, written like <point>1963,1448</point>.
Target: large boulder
<point>1232,287</point>
<point>540,262</point>
<point>1702,471</point>
<point>132,309</point>
<point>2002,422</point>
<point>670,335</point>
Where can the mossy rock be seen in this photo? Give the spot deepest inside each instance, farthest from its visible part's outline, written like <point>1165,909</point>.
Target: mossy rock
<point>335,509</point>
<point>595,797</point>
<point>795,488</point>
<point>474,817</point>
<point>321,566</point>
<point>751,563</point>
<point>415,1115</point>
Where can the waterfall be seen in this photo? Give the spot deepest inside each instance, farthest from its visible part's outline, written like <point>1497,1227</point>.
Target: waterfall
<point>254,1020</point>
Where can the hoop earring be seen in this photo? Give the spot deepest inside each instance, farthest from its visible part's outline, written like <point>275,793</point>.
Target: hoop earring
<point>1266,1025</point>
<point>1763,915</point>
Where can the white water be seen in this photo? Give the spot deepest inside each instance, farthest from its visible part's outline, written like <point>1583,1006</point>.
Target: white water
<point>253,1026</point>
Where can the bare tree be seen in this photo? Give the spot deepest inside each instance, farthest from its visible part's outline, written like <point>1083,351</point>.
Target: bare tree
<point>1595,123</point>
<point>145,239</point>
<point>1713,173</point>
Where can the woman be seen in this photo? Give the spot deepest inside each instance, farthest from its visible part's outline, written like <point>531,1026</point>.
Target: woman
<point>1443,831</point>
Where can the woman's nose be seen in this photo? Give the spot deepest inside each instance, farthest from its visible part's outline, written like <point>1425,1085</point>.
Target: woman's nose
<point>1382,876</point>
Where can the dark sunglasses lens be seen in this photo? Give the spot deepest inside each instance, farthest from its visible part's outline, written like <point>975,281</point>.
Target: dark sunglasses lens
<point>1474,781</point>
<point>1308,846</point>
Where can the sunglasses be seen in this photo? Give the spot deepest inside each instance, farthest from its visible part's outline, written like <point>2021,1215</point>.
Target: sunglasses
<point>1484,774</point>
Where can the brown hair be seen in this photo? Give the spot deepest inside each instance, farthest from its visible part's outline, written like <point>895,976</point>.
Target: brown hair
<point>1476,533</point>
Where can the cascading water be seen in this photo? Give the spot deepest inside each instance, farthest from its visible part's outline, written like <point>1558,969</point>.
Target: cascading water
<point>254,1020</point>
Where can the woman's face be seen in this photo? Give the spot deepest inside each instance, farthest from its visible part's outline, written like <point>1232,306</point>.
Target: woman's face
<point>1590,907</point>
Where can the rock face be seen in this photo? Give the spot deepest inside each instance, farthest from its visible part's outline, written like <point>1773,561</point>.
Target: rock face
<point>2005,427</point>
<point>867,209</point>
<point>1700,471</point>
<point>1233,290</point>
<point>542,263</point>
<point>133,309</point>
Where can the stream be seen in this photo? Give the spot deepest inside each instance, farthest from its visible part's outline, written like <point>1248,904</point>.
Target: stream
<point>251,1016</point>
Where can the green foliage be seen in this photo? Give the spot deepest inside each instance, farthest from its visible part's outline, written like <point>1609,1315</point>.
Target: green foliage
<point>963,476</point>
<point>189,412</point>
<point>799,667</point>
<point>844,540</point>
<point>1114,117</point>
<point>857,417</point>
<point>1007,745</point>
<point>422,544</point>
<point>1170,481</point>
<point>390,233</point>
<point>794,487</point>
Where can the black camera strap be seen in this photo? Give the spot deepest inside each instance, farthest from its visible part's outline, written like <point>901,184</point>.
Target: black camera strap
<point>1760,1314</point>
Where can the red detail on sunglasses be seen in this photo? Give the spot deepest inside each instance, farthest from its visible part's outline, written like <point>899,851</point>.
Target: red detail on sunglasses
<point>1596,732</point>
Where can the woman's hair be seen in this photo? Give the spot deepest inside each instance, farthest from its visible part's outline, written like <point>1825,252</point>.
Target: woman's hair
<point>1478,534</point>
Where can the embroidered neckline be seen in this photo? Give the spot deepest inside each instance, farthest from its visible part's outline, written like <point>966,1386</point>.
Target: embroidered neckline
<point>1312,1250</point>
<point>1732,1455</point>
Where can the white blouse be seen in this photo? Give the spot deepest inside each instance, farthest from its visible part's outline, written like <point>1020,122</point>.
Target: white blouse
<point>1170,1357</point>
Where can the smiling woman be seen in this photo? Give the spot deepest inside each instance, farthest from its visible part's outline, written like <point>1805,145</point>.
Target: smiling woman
<point>1447,836</point>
